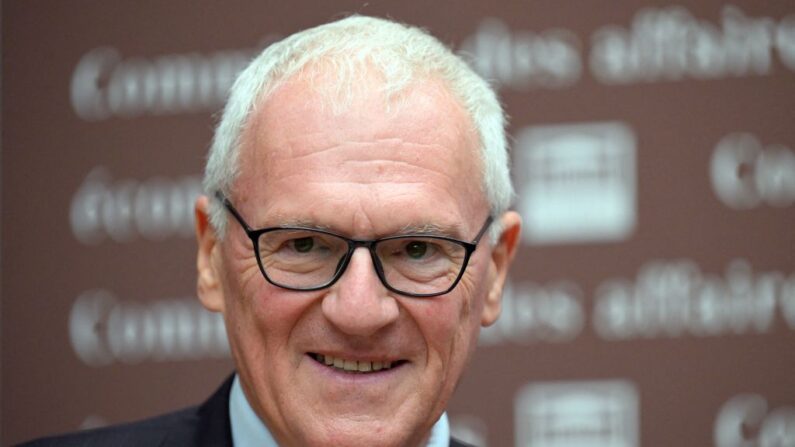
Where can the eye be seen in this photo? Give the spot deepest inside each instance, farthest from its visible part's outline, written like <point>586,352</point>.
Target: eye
<point>416,249</point>
<point>303,245</point>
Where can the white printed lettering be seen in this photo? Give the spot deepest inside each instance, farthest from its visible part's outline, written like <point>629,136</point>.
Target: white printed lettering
<point>745,174</point>
<point>523,60</point>
<point>104,330</point>
<point>105,85</point>
<point>673,298</point>
<point>552,313</point>
<point>154,209</point>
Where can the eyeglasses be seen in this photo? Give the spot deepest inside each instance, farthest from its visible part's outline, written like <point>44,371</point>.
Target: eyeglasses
<point>306,259</point>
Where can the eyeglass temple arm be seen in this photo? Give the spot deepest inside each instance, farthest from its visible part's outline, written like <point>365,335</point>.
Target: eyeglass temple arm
<point>228,205</point>
<point>486,226</point>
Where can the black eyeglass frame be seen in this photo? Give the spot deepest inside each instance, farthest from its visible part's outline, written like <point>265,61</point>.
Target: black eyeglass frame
<point>353,244</point>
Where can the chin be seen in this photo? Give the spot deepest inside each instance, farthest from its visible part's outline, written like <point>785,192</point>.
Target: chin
<point>363,435</point>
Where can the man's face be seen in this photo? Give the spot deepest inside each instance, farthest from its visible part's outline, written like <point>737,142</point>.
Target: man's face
<point>365,173</point>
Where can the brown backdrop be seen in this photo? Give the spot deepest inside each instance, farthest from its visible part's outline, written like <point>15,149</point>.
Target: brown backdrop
<point>653,301</point>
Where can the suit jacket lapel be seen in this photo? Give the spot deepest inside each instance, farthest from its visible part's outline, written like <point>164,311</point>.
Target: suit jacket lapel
<point>214,428</point>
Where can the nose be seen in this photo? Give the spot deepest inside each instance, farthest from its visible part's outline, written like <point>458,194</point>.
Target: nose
<point>358,304</point>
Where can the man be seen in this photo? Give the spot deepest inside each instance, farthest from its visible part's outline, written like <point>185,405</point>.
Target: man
<point>355,236</point>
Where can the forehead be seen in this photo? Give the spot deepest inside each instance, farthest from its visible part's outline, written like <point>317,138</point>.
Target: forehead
<point>357,109</point>
<point>329,141</point>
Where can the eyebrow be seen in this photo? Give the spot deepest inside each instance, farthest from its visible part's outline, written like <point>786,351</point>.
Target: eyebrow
<point>303,223</point>
<point>432,229</point>
<point>453,230</point>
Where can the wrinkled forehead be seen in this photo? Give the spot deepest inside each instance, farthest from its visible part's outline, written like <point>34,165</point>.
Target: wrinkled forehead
<point>338,88</point>
<point>319,107</point>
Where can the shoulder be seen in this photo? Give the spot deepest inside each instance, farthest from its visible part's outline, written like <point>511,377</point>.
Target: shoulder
<point>154,431</point>
<point>206,425</point>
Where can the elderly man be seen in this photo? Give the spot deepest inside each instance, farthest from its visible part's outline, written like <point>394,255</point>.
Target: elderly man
<point>355,236</point>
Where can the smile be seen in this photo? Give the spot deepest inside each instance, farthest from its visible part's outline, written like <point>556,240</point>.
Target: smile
<point>353,366</point>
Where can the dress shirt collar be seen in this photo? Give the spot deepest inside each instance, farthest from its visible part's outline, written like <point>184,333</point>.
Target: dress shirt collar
<point>248,429</point>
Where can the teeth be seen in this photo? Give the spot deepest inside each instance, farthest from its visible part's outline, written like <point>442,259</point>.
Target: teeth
<point>352,365</point>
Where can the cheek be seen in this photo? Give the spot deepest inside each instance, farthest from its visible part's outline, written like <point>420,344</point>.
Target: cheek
<point>473,288</point>
<point>245,286</point>
<point>257,313</point>
<point>461,313</point>
<point>244,267</point>
<point>449,324</point>
<point>269,311</point>
<point>262,328</point>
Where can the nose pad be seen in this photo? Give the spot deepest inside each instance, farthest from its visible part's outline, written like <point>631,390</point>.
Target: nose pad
<point>359,304</point>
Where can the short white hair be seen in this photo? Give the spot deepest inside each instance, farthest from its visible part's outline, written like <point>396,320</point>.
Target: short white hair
<point>402,54</point>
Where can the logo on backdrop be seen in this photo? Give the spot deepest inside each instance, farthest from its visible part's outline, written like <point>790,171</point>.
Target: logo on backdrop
<point>105,84</point>
<point>671,299</point>
<point>565,414</point>
<point>522,59</point>
<point>748,420</point>
<point>553,312</point>
<point>576,182</point>
<point>660,45</point>
<point>104,329</point>
<point>126,210</point>
<point>665,299</point>
<point>670,44</point>
<point>745,174</point>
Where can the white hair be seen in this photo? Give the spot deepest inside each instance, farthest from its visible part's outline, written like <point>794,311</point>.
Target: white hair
<point>401,53</point>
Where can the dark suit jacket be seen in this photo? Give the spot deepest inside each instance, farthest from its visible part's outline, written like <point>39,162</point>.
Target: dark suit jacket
<point>204,426</point>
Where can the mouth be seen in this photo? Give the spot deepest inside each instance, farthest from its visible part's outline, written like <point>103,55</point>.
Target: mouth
<point>355,366</point>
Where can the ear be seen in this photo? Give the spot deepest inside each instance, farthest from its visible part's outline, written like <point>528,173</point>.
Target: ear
<point>208,285</point>
<point>501,257</point>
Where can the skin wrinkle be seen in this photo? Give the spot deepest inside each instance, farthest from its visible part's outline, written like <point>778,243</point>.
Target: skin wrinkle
<point>453,222</point>
<point>435,91</point>
<point>322,150</point>
<point>382,167</point>
<point>460,134</point>
<point>358,183</point>
<point>390,186</point>
<point>250,272</point>
<point>277,218</point>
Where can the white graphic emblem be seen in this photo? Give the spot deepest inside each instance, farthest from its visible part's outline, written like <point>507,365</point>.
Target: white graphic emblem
<point>576,182</point>
<point>577,414</point>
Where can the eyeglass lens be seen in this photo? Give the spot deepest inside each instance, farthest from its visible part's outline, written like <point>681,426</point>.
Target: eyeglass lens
<point>306,259</point>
